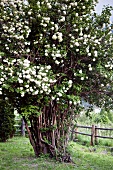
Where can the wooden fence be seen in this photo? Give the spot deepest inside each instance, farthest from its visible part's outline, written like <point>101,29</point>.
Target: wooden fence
<point>20,127</point>
<point>94,133</point>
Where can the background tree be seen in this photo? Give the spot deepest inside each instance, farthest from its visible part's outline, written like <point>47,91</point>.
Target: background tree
<point>7,122</point>
<point>54,54</point>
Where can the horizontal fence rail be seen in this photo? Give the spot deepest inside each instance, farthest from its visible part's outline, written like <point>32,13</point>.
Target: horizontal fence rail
<point>94,133</point>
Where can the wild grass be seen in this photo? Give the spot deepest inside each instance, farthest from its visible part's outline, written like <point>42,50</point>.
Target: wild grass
<point>86,140</point>
<point>17,154</point>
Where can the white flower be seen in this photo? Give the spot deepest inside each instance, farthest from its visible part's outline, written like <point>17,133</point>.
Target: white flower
<point>45,79</point>
<point>94,59</point>
<point>21,88</point>
<point>62,19</point>
<point>70,102</point>
<point>70,82</point>
<point>36,92</point>
<point>53,98</point>
<point>2,79</point>
<point>60,39</point>
<point>76,29</point>
<point>81,34</point>
<point>26,63</point>
<point>56,27</point>
<point>77,50</point>
<point>75,103</point>
<point>43,74</point>
<point>22,94</point>
<point>20,75</point>
<point>46,54</point>
<point>102,85</point>
<point>27,76</point>
<point>75,3</point>
<point>89,65</point>
<point>52,28</point>
<point>41,91</point>
<point>58,55</point>
<point>29,12</point>
<point>90,68</point>
<point>82,78</point>
<point>45,89</point>
<point>51,81</point>
<point>27,85</point>
<point>64,12</point>
<point>85,36</point>
<point>39,76</point>
<point>77,44</point>
<point>96,41</point>
<point>38,83</point>
<point>57,62</point>
<point>49,5</point>
<point>33,72</point>
<point>31,89</point>
<point>89,54</point>
<point>95,53</point>
<point>54,37</point>
<point>20,81</point>
<point>78,101</point>
<point>28,50</point>
<point>80,71</point>
<point>48,67</point>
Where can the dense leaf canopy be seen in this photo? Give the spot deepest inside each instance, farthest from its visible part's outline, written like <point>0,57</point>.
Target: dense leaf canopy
<point>55,50</point>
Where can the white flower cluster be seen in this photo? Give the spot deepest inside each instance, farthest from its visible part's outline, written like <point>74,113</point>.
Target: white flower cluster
<point>63,90</point>
<point>15,30</point>
<point>58,36</point>
<point>32,79</point>
<point>109,65</point>
<point>58,54</point>
<point>61,35</point>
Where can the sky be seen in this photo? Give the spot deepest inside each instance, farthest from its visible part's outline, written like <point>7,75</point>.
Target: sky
<point>101,4</point>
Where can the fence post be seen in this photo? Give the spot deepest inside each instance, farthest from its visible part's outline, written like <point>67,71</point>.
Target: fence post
<point>92,135</point>
<point>74,134</point>
<point>96,134</point>
<point>76,130</point>
<point>23,128</point>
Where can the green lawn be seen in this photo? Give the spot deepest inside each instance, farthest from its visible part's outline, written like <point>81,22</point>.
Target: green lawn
<point>17,154</point>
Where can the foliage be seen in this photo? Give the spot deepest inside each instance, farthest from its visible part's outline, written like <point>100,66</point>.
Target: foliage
<point>104,117</point>
<point>7,122</point>
<point>61,55</point>
<point>53,55</point>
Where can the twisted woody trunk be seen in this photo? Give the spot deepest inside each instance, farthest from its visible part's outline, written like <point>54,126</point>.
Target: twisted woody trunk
<point>48,133</point>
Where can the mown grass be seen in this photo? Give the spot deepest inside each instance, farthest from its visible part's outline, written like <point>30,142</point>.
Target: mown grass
<point>91,158</point>
<point>17,154</point>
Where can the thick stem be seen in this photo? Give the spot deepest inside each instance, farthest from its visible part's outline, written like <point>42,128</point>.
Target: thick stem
<point>48,134</point>
<point>30,136</point>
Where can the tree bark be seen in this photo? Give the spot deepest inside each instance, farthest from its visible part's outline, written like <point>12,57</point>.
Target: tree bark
<point>48,132</point>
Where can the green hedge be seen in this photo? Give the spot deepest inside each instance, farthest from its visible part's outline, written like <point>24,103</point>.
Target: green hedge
<point>7,120</point>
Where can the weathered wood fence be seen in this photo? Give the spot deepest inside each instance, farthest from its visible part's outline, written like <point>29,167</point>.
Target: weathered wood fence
<point>94,133</point>
<point>20,127</point>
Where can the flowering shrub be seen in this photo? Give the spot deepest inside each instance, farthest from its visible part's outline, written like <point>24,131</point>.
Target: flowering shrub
<point>53,54</point>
